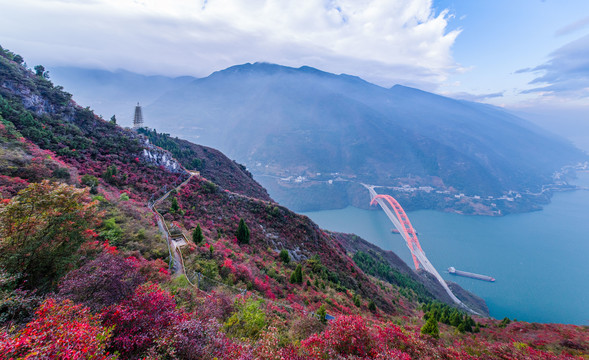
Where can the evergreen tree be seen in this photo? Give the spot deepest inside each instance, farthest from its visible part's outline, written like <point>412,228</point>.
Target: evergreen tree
<point>39,70</point>
<point>197,236</point>
<point>455,318</point>
<point>109,174</point>
<point>284,256</point>
<point>431,328</point>
<point>477,328</point>
<point>371,305</point>
<point>322,314</point>
<point>357,301</point>
<point>243,233</point>
<point>297,276</point>
<point>174,207</point>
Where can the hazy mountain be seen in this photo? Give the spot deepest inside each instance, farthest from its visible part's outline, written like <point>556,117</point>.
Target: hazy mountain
<point>286,121</point>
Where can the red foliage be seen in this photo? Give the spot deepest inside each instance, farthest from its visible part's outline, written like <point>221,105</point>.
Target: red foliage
<point>152,270</point>
<point>141,319</point>
<point>347,335</point>
<point>101,282</point>
<point>10,186</point>
<point>59,331</point>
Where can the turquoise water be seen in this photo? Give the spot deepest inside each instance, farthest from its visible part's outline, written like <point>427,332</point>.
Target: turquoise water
<point>540,259</point>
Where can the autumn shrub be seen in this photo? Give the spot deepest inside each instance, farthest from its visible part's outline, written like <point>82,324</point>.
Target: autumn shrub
<point>18,306</point>
<point>102,282</point>
<point>152,270</point>
<point>42,229</point>
<point>141,319</point>
<point>196,339</point>
<point>248,319</point>
<point>345,336</point>
<point>60,330</point>
<point>219,305</point>
<point>304,326</point>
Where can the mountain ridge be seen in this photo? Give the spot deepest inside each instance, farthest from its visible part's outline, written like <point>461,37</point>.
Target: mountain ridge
<point>302,123</point>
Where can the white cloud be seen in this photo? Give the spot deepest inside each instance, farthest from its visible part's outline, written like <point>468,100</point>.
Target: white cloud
<point>385,41</point>
<point>565,74</point>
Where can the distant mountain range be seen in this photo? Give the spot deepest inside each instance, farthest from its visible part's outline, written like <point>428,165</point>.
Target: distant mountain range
<point>308,127</point>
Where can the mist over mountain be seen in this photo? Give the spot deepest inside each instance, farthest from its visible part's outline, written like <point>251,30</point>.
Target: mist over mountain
<point>299,122</point>
<point>323,133</point>
<point>114,93</point>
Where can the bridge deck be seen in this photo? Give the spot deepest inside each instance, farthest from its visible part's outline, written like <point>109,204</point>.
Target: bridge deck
<point>408,234</point>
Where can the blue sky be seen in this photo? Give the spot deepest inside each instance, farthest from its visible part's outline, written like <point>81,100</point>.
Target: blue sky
<point>500,38</point>
<point>523,54</point>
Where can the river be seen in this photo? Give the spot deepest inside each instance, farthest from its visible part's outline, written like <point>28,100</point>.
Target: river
<point>540,259</point>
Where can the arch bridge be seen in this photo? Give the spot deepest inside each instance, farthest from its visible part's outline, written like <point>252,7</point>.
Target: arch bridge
<point>400,220</point>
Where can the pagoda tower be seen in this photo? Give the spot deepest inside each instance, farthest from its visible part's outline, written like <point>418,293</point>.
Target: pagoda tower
<point>138,120</point>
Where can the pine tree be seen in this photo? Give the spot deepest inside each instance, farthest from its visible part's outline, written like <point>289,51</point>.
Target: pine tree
<point>431,328</point>
<point>197,236</point>
<point>174,207</point>
<point>243,233</point>
<point>284,256</point>
<point>371,305</point>
<point>297,276</point>
<point>322,314</point>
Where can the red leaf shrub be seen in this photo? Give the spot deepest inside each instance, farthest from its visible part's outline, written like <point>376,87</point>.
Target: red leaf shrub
<point>196,339</point>
<point>141,319</point>
<point>347,335</point>
<point>61,330</point>
<point>102,282</point>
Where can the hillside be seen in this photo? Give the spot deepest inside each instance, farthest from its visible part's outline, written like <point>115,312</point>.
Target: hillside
<point>210,163</point>
<point>85,273</point>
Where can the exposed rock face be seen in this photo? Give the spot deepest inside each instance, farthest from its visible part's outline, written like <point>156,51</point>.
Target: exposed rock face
<point>159,157</point>
<point>39,101</point>
<point>30,100</point>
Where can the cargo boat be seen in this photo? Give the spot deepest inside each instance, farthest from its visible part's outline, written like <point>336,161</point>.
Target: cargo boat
<point>453,271</point>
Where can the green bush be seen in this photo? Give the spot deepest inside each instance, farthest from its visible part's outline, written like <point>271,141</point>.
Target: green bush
<point>297,276</point>
<point>197,236</point>
<point>111,231</point>
<point>431,328</point>
<point>371,305</point>
<point>243,233</point>
<point>247,321</point>
<point>284,256</point>
<point>61,173</point>
<point>322,314</point>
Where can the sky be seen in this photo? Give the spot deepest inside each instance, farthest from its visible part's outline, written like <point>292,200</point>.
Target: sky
<point>528,55</point>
